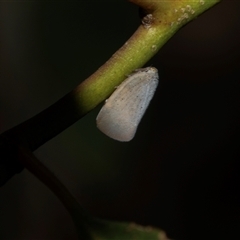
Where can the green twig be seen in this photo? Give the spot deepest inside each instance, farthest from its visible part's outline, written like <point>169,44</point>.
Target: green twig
<point>163,18</point>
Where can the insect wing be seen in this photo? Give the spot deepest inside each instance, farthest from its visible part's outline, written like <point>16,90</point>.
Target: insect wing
<point>122,112</point>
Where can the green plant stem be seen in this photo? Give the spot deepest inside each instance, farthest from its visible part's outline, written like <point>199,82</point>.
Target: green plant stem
<point>163,20</point>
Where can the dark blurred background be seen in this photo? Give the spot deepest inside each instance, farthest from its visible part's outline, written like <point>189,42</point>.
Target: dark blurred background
<point>180,172</point>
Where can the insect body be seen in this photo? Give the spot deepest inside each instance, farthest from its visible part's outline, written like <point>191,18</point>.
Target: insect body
<point>124,109</point>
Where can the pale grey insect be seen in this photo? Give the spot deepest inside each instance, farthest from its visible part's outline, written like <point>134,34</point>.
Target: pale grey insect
<point>124,109</point>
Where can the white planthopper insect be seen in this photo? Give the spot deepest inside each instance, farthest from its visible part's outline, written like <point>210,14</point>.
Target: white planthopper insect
<point>124,109</point>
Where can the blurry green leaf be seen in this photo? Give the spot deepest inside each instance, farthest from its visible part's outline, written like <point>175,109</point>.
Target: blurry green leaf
<point>111,230</point>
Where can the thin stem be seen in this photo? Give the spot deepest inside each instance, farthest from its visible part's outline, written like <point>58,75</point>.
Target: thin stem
<point>80,217</point>
<point>52,182</point>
